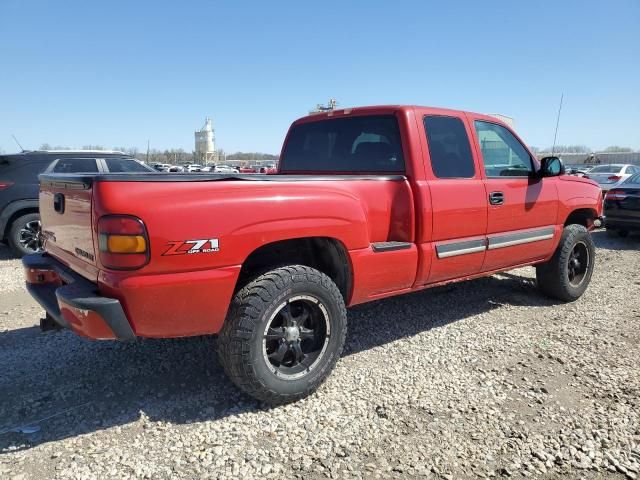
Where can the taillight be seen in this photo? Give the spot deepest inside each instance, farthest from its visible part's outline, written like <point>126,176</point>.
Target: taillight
<point>615,195</point>
<point>123,242</point>
<point>4,185</point>
<point>614,178</point>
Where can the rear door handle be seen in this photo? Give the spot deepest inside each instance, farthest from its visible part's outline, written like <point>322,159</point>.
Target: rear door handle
<point>496,198</point>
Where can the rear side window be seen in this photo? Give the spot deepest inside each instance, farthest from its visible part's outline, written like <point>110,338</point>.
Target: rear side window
<point>366,144</point>
<point>119,165</point>
<point>76,165</point>
<point>449,147</point>
<point>503,155</point>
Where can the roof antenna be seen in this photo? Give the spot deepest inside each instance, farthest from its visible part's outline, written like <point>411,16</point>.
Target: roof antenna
<point>555,136</point>
<point>16,140</point>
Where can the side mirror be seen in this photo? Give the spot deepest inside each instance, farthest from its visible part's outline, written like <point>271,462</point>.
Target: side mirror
<point>551,167</point>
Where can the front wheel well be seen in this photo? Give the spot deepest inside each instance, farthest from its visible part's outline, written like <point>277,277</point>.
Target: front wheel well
<point>582,216</point>
<point>325,254</point>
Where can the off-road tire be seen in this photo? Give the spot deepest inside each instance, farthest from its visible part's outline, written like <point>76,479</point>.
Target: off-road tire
<point>13,239</point>
<point>240,342</point>
<point>553,276</point>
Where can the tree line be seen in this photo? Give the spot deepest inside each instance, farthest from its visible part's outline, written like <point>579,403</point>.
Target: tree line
<point>580,149</point>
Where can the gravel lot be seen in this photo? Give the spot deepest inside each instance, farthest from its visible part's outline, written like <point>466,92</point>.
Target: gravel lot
<point>480,379</point>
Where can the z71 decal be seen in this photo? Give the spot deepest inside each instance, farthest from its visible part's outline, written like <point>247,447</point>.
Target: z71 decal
<point>185,247</point>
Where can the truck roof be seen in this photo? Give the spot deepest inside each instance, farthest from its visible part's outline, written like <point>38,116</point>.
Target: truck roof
<point>389,109</point>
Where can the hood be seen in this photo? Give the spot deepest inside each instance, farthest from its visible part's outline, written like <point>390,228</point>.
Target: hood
<point>574,178</point>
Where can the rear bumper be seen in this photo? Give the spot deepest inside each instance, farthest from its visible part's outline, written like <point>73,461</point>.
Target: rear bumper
<point>630,223</point>
<point>73,302</point>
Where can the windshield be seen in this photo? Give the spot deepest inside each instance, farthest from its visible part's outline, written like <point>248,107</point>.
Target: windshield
<point>356,144</point>
<point>633,180</point>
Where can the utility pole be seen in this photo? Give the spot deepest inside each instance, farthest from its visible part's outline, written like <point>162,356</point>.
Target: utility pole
<point>147,152</point>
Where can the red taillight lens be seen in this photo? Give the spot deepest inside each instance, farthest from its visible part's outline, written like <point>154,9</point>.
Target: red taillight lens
<point>614,178</point>
<point>615,195</point>
<point>123,242</point>
<point>4,185</point>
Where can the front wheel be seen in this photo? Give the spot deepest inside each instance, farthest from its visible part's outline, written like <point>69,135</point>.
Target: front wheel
<point>568,273</point>
<point>284,334</point>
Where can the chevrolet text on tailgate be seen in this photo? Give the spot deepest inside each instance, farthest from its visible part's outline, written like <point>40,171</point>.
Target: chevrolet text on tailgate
<point>367,203</point>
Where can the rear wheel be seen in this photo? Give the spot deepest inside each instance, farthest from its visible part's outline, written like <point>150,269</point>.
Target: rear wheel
<point>284,334</point>
<point>25,235</point>
<point>567,274</point>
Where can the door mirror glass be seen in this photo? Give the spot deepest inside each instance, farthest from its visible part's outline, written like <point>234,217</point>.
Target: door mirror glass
<point>551,167</point>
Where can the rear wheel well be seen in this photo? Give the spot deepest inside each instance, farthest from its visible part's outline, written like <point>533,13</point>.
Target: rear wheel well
<point>327,255</point>
<point>14,216</point>
<point>582,216</point>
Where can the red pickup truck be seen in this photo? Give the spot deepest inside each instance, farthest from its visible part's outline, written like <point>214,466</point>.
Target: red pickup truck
<point>367,203</point>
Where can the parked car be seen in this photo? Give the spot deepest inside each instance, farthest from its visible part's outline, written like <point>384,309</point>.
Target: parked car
<point>269,169</point>
<point>579,169</point>
<point>175,169</point>
<point>247,169</point>
<point>612,175</point>
<point>192,167</point>
<point>161,167</point>
<point>225,169</point>
<point>367,203</point>
<point>622,207</point>
<point>19,217</point>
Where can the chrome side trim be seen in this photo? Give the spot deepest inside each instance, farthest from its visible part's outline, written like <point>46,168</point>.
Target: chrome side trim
<point>511,239</point>
<point>464,247</point>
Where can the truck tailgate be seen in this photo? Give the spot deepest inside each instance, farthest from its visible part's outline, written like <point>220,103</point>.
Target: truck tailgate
<point>67,228</point>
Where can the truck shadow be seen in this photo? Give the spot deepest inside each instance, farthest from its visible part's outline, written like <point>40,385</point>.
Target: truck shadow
<point>612,241</point>
<point>68,386</point>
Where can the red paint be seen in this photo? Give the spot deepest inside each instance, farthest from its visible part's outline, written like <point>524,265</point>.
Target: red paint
<point>189,293</point>
<point>86,323</point>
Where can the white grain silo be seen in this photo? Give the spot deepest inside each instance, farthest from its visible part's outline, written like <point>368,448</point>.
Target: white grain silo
<point>205,143</point>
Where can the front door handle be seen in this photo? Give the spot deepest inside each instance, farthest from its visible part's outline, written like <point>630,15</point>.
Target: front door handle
<point>496,198</point>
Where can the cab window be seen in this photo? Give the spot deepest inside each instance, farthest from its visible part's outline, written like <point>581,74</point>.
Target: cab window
<point>449,148</point>
<point>364,144</point>
<point>503,155</point>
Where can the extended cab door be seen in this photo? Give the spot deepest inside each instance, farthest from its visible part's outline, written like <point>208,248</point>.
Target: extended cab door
<point>458,199</point>
<point>523,208</point>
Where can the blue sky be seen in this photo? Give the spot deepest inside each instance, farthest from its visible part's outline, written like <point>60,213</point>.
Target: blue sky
<point>117,73</point>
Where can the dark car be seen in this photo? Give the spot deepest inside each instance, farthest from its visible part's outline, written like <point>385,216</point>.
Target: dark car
<point>622,207</point>
<point>19,213</point>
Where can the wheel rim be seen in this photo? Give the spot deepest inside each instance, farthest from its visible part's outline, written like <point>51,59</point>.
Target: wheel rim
<point>578,264</point>
<point>31,237</point>
<point>296,337</point>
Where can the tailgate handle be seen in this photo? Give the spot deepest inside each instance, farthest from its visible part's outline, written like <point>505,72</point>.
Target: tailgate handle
<point>58,202</point>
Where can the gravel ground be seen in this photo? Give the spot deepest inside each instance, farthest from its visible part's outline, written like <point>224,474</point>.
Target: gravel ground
<point>482,379</point>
